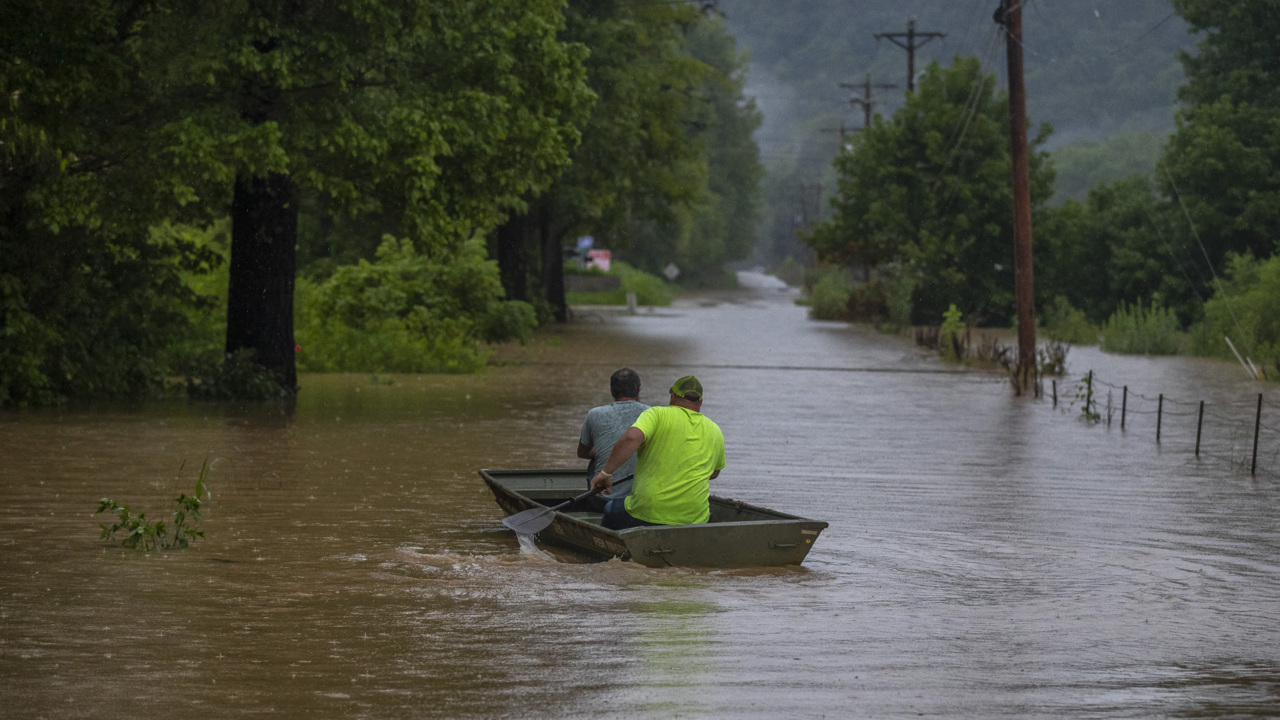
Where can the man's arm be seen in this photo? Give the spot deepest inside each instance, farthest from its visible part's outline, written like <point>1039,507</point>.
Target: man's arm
<point>585,451</point>
<point>622,452</point>
<point>714,475</point>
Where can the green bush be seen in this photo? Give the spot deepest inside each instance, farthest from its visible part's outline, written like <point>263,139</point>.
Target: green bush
<point>1133,330</point>
<point>902,286</point>
<point>407,312</point>
<point>1247,310</point>
<point>234,376</point>
<point>1065,324</point>
<point>830,293</point>
<point>951,335</point>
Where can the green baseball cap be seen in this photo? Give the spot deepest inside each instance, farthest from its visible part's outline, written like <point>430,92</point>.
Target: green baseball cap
<point>688,388</point>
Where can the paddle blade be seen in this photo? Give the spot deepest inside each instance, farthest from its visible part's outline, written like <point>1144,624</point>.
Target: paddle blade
<point>530,521</point>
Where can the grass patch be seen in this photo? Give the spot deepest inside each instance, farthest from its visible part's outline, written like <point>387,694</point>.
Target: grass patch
<point>649,289</point>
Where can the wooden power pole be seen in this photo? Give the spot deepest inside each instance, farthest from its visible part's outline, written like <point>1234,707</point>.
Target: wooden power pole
<point>865,101</point>
<point>1010,16</point>
<point>910,46</point>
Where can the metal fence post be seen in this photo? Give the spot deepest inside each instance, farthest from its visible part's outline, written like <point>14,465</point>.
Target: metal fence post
<point>1257,425</point>
<point>1159,416</point>
<point>1199,427</point>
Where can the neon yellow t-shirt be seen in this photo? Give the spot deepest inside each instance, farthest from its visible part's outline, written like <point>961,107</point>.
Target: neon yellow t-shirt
<point>681,450</point>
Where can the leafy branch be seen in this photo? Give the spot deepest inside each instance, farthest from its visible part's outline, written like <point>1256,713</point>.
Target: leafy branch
<point>140,534</point>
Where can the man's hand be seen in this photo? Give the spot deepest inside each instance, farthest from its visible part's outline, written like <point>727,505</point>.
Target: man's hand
<point>601,480</point>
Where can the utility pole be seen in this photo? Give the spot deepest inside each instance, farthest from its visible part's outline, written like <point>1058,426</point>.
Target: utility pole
<point>910,46</point>
<point>1009,15</point>
<point>844,132</point>
<point>865,101</point>
<point>809,213</point>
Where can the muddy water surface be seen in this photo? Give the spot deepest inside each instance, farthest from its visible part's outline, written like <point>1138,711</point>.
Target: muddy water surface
<point>988,556</point>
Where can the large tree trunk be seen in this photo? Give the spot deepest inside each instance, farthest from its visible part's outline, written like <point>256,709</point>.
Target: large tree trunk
<point>514,257</point>
<point>552,265</point>
<point>264,233</point>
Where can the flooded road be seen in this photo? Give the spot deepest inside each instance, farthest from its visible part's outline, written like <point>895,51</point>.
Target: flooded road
<point>988,556</point>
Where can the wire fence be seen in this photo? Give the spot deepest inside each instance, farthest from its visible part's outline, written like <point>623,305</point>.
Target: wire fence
<point>1242,434</point>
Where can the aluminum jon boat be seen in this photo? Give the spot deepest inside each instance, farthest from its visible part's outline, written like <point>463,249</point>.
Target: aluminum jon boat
<point>738,534</point>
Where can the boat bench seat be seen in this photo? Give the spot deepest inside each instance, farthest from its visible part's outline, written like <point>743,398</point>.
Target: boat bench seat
<point>591,517</point>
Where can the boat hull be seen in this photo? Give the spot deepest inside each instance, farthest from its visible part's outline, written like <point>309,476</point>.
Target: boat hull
<point>738,534</point>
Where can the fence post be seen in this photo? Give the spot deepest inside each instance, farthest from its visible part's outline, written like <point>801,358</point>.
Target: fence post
<point>1257,424</point>
<point>1159,416</point>
<point>1199,426</point>
<point>1088,396</point>
<point>1124,405</point>
<point>1055,393</point>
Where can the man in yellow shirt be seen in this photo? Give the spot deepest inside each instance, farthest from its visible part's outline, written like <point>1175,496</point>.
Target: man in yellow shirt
<point>680,452</point>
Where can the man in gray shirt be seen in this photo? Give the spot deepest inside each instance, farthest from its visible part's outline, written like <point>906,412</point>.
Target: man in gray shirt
<point>602,428</point>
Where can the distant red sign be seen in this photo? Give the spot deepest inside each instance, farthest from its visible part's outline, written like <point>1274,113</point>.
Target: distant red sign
<point>599,259</point>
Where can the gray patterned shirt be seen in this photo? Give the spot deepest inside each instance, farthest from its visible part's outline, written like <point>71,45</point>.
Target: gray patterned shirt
<point>602,428</point>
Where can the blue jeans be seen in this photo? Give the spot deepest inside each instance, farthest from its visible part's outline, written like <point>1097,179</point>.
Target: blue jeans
<point>616,517</point>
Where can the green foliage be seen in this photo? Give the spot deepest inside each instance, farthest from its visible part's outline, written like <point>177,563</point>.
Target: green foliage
<point>917,192</point>
<point>1084,396</point>
<point>650,290</point>
<point>1085,165</point>
<point>901,290</point>
<point>423,119</point>
<point>1247,310</point>
<point>143,535</point>
<point>234,376</point>
<point>1065,324</point>
<point>716,224</point>
<point>1221,162</point>
<point>1134,330</point>
<point>407,312</point>
<point>829,290</point>
<point>1143,244</point>
<point>951,335</point>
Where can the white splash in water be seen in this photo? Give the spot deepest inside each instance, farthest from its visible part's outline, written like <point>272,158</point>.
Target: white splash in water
<point>528,546</point>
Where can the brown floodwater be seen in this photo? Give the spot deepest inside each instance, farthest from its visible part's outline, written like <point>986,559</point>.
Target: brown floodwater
<point>988,555</point>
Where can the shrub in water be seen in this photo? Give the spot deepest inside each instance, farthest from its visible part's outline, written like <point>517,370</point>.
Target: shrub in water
<point>829,298</point>
<point>951,335</point>
<point>1065,324</point>
<point>408,312</point>
<point>1247,310</point>
<point>1134,330</point>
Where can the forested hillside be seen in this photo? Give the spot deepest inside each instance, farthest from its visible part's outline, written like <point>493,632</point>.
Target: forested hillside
<point>1095,70</point>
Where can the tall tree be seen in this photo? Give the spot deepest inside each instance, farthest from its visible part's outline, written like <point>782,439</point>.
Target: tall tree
<point>927,192</point>
<point>719,226</point>
<point>635,152</point>
<point>88,296</point>
<point>437,115</point>
<point>1221,163</point>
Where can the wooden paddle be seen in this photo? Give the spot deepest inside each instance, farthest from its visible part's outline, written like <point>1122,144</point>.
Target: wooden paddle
<point>537,519</point>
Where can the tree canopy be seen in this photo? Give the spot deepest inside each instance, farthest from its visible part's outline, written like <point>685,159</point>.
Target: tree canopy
<point>926,193</point>
<point>432,116</point>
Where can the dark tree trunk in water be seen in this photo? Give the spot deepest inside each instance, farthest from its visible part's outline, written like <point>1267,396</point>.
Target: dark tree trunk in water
<point>552,266</point>
<point>513,257</point>
<point>264,232</point>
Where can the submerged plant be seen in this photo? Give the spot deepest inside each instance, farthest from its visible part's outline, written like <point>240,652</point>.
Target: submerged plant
<point>140,534</point>
<point>950,340</point>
